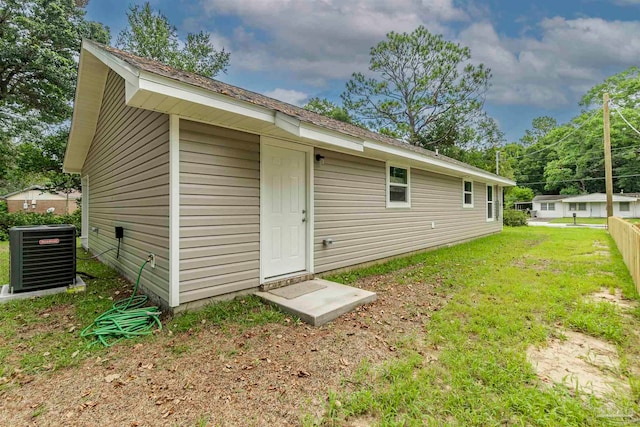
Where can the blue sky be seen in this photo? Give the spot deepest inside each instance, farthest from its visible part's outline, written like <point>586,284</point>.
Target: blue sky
<point>543,54</point>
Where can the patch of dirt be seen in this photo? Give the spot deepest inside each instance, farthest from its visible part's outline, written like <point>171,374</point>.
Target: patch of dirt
<point>617,299</point>
<point>580,362</point>
<point>600,244</point>
<point>265,375</point>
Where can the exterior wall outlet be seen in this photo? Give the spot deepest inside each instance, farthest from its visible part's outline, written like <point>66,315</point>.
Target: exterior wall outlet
<point>433,224</point>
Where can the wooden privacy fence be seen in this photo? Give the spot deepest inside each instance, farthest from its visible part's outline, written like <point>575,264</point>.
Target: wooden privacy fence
<point>627,238</point>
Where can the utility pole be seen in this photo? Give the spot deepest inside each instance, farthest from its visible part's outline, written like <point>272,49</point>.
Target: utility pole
<point>607,156</point>
<point>497,162</point>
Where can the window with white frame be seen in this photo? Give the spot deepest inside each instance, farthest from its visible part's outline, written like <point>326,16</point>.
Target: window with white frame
<point>551,206</point>
<point>625,207</point>
<point>577,206</point>
<point>467,194</point>
<point>547,206</point>
<point>398,186</point>
<point>490,202</point>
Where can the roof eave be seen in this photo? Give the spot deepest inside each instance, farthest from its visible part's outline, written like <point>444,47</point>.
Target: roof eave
<point>93,69</point>
<point>140,84</point>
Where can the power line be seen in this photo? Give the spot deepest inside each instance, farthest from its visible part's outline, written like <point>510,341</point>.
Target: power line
<point>623,118</point>
<point>563,139</point>
<point>578,179</point>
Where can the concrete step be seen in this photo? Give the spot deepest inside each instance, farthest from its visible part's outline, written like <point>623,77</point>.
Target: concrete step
<point>317,301</point>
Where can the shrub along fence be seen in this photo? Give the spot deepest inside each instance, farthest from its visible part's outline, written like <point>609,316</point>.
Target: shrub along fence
<point>627,238</point>
<point>8,220</point>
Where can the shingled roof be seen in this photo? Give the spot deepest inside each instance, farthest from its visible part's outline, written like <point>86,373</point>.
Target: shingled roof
<point>298,113</point>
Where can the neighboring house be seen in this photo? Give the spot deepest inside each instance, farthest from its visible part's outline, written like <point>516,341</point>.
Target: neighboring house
<point>36,199</point>
<point>231,189</point>
<point>588,205</point>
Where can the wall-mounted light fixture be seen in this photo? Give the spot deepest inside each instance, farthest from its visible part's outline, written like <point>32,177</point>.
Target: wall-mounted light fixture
<point>320,159</point>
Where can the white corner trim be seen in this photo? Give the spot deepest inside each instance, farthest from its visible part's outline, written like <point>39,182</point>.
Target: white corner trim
<point>397,205</point>
<point>407,154</point>
<point>468,205</point>
<point>174,211</point>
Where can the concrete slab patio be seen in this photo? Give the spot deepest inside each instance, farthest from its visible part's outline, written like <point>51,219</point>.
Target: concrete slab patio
<point>318,301</point>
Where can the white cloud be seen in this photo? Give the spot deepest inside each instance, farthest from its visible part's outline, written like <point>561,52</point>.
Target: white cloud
<point>319,40</point>
<point>553,70</point>
<point>549,64</point>
<point>627,2</point>
<point>288,95</point>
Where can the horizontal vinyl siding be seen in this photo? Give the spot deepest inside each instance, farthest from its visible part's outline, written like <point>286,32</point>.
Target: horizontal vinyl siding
<point>128,168</point>
<point>350,208</point>
<point>219,211</point>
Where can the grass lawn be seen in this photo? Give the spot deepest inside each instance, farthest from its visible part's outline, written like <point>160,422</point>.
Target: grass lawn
<point>445,344</point>
<point>588,220</point>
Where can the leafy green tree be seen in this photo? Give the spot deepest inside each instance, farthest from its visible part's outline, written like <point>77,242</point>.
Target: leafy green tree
<point>39,41</point>
<point>424,89</point>
<point>43,157</point>
<point>569,158</point>
<point>327,108</point>
<point>517,194</point>
<point>530,160</point>
<point>540,127</point>
<point>151,35</point>
<point>623,89</point>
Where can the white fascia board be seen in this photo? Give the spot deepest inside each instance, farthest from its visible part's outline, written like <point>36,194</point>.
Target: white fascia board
<point>130,91</point>
<point>395,151</point>
<point>317,133</point>
<point>163,85</point>
<point>287,123</point>
<point>124,70</point>
<point>584,199</point>
<point>326,136</point>
<point>85,111</point>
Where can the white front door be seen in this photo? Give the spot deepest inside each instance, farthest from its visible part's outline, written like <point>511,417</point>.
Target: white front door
<point>284,209</point>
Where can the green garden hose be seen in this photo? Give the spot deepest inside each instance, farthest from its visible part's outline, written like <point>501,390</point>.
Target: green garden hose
<point>127,318</point>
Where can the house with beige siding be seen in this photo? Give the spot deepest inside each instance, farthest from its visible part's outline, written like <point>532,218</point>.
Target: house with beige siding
<point>231,190</point>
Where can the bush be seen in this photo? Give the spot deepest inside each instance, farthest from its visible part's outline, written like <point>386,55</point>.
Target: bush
<point>8,220</point>
<point>514,218</point>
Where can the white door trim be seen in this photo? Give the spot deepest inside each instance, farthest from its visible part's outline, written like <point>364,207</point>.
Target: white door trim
<point>266,140</point>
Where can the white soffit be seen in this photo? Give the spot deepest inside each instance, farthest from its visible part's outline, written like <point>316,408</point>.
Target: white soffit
<point>140,85</point>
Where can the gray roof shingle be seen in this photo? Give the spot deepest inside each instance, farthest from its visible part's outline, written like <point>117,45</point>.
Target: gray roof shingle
<point>301,114</point>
